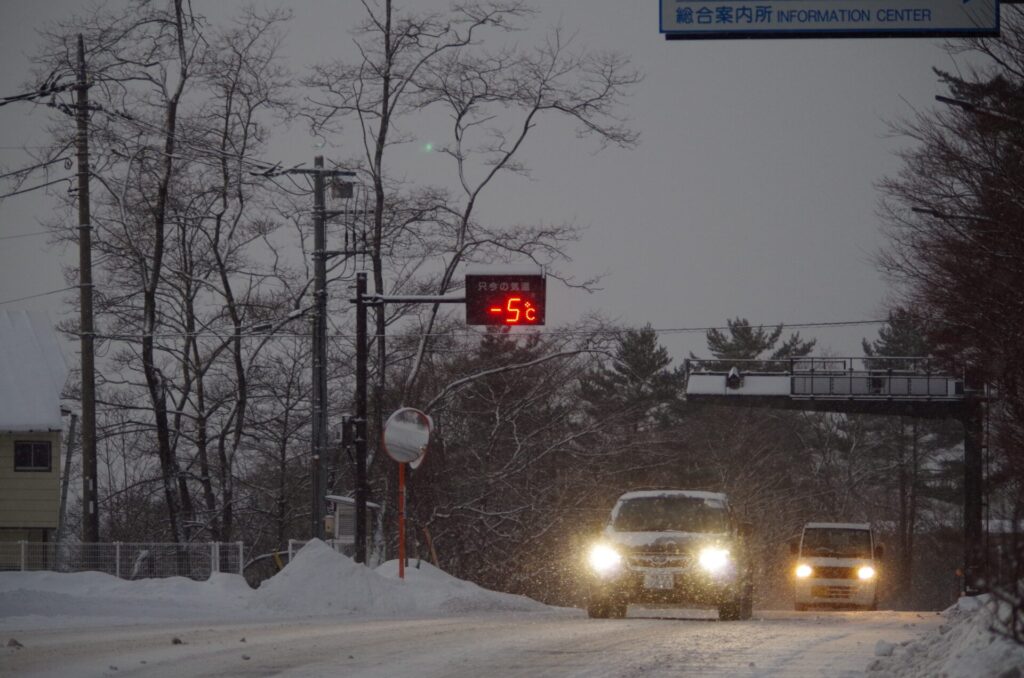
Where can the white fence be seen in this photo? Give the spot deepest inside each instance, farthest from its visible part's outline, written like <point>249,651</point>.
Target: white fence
<point>126,560</point>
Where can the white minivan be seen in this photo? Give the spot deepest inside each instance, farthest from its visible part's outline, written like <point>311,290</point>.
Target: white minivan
<point>837,566</point>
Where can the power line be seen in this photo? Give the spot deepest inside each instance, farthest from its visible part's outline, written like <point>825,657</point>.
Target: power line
<point>36,296</point>
<point>45,90</point>
<point>227,334</point>
<point>25,170</point>
<point>838,323</point>
<point>36,187</point>
<point>23,235</point>
<point>189,142</point>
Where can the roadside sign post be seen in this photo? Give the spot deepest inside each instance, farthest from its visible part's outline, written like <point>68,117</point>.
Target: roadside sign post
<point>517,298</point>
<point>406,436</point>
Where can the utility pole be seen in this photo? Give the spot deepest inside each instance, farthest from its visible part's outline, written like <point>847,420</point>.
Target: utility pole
<point>360,420</point>
<point>318,399</point>
<point>90,518</point>
<point>318,395</point>
<point>318,439</point>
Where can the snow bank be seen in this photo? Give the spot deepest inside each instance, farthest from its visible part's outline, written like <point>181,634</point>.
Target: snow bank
<point>963,647</point>
<point>434,589</point>
<point>54,599</point>
<point>318,582</point>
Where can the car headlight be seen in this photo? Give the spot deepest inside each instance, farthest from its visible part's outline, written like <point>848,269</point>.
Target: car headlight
<point>803,571</point>
<point>866,572</point>
<point>713,559</point>
<point>604,559</point>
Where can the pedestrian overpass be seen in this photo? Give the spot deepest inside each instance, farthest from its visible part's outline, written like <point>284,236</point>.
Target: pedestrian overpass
<point>894,386</point>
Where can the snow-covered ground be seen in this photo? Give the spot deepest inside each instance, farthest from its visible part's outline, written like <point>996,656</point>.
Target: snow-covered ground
<point>319,582</point>
<point>325,615</point>
<point>963,647</point>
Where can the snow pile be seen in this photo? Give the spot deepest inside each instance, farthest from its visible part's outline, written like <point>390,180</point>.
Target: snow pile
<point>318,582</point>
<point>434,589</point>
<point>963,647</point>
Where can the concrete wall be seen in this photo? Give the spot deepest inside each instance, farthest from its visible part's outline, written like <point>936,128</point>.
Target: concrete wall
<point>29,499</point>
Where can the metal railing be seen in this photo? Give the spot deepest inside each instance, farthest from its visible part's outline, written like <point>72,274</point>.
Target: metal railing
<point>865,377</point>
<point>126,560</point>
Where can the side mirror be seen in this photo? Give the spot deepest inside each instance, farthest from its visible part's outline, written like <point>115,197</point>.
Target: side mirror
<point>879,551</point>
<point>794,547</point>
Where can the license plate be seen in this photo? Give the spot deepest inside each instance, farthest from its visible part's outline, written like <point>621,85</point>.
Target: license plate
<point>831,592</point>
<point>658,580</point>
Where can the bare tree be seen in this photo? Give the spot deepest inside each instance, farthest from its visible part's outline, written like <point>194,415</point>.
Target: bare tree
<point>412,62</point>
<point>180,109</point>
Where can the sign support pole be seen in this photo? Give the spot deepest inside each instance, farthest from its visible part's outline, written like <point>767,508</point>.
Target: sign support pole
<point>401,521</point>
<point>532,313</point>
<point>974,502</point>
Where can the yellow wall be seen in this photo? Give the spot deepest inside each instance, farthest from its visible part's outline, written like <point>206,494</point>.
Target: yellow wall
<point>29,498</point>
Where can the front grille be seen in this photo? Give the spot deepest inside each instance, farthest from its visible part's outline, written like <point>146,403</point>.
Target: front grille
<point>835,572</point>
<point>656,560</point>
<point>664,548</point>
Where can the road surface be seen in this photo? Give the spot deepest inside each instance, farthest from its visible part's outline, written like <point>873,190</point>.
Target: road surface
<point>650,642</point>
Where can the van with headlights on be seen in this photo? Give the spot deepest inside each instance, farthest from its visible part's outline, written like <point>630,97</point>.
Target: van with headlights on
<point>837,566</point>
<point>679,547</point>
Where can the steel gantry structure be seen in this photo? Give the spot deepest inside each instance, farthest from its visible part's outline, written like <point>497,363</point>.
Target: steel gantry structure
<point>893,386</point>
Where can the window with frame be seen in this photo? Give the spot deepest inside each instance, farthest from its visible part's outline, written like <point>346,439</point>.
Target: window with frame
<point>33,455</point>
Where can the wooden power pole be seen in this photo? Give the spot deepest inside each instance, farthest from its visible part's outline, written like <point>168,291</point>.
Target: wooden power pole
<point>90,510</point>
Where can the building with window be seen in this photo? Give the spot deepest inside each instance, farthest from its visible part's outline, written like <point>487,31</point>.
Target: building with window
<point>32,375</point>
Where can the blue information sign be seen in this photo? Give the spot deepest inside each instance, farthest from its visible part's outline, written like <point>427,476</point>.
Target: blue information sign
<point>724,19</point>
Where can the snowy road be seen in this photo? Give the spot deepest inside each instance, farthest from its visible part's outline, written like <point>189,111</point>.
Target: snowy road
<point>560,643</point>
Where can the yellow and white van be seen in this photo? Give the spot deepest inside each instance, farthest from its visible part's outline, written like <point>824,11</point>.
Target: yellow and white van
<point>838,565</point>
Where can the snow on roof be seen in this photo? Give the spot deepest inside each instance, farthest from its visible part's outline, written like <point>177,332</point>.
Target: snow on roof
<point>840,526</point>
<point>694,494</point>
<point>32,373</point>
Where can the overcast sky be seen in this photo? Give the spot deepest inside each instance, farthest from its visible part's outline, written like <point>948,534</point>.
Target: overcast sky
<point>752,192</point>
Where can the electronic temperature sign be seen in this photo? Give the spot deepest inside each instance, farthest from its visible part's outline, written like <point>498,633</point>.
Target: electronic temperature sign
<point>506,299</point>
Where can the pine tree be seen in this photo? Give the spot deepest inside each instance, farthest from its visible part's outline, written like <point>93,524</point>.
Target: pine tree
<point>745,342</point>
<point>637,387</point>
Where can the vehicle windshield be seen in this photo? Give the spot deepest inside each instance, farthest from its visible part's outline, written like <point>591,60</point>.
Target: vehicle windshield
<point>664,514</point>
<point>836,542</point>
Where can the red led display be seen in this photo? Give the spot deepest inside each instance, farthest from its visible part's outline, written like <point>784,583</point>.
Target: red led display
<point>505,299</point>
